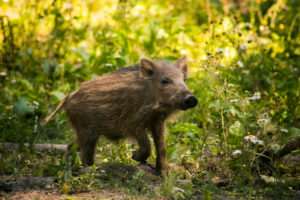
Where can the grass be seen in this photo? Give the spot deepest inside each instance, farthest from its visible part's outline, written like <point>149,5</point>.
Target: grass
<point>111,173</point>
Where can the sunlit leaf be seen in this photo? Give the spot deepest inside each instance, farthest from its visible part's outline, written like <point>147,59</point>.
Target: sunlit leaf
<point>58,95</point>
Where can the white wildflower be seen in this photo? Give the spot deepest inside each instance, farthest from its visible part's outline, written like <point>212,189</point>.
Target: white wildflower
<point>250,38</point>
<point>139,7</point>
<point>240,64</point>
<point>220,50</point>
<point>3,73</point>
<point>256,96</point>
<point>233,100</point>
<point>248,25</point>
<point>261,28</point>
<point>117,56</point>
<point>108,65</point>
<point>230,85</point>
<point>234,31</point>
<point>253,139</point>
<point>68,6</point>
<point>236,152</point>
<point>244,46</point>
<point>184,51</point>
<point>284,130</point>
<point>35,124</point>
<point>246,100</point>
<point>163,34</point>
<point>260,142</point>
<point>264,29</point>
<point>262,120</point>
<point>294,69</point>
<point>36,104</point>
<point>217,72</point>
<point>250,137</point>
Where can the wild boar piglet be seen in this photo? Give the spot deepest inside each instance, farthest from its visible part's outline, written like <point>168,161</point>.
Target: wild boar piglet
<point>125,104</point>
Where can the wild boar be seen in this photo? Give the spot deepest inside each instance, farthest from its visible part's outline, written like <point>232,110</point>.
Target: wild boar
<point>125,104</point>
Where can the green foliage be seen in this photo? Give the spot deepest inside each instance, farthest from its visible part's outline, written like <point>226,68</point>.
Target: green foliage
<point>74,184</point>
<point>244,69</point>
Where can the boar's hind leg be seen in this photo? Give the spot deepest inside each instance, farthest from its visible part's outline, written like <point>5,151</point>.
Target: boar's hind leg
<point>144,151</point>
<point>87,144</point>
<point>88,151</point>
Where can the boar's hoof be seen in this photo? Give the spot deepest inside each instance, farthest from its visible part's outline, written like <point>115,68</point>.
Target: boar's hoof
<point>137,156</point>
<point>151,165</point>
<point>162,168</point>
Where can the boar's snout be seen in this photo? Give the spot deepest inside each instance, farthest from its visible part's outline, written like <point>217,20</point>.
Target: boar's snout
<point>190,101</point>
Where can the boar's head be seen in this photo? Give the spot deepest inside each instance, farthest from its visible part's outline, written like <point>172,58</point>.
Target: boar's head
<point>168,83</point>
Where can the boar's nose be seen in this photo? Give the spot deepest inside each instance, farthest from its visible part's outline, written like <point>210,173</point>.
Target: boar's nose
<point>190,101</point>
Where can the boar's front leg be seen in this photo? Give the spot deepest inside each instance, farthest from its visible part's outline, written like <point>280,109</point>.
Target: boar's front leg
<point>144,151</point>
<point>159,140</point>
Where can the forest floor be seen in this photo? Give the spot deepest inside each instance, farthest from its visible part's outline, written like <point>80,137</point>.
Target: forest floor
<point>44,175</point>
<point>32,187</point>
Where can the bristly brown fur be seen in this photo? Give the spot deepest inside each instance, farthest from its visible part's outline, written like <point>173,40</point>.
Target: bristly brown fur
<point>125,104</point>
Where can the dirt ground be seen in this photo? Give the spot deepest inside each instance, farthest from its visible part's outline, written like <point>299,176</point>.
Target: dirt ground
<point>29,188</point>
<point>39,188</point>
<point>54,195</point>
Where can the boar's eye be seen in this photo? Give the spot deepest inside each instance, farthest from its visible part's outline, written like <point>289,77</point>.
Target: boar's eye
<point>165,81</point>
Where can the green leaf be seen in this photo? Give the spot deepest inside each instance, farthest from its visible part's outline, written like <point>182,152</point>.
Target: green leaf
<point>22,106</point>
<point>215,104</point>
<point>237,129</point>
<point>38,172</point>
<point>268,179</point>
<point>189,128</point>
<point>46,66</point>
<point>58,95</point>
<point>293,132</point>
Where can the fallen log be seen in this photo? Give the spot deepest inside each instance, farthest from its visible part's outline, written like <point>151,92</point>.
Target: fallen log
<point>41,147</point>
<point>288,147</point>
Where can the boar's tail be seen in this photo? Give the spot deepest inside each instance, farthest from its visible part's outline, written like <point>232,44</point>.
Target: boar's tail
<point>59,107</point>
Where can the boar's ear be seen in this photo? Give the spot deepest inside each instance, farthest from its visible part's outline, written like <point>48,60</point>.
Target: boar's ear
<point>147,67</point>
<point>182,64</point>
